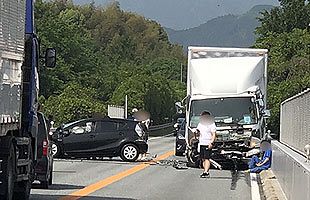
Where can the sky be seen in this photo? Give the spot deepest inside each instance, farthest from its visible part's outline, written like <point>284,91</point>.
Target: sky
<point>183,14</point>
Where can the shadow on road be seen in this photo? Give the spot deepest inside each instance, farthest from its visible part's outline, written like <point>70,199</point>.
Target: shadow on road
<point>59,187</point>
<point>54,197</point>
<point>235,177</point>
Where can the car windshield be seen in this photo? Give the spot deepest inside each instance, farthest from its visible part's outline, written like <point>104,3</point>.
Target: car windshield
<point>233,110</point>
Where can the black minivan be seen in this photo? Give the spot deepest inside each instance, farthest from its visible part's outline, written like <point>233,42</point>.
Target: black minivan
<point>44,166</point>
<point>102,137</point>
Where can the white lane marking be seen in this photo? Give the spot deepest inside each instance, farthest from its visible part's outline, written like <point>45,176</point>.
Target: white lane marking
<point>254,187</point>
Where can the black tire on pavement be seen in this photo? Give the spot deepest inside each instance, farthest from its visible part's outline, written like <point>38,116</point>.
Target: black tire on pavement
<point>56,150</point>
<point>129,152</point>
<point>7,176</point>
<point>22,189</point>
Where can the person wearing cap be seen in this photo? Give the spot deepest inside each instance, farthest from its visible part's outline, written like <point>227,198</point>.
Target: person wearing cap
<point>256,165</point>
<point>206,130</point>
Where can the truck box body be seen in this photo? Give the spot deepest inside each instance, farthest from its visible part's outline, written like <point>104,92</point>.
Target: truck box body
<point>231,84</point>
<point>12,33</point>
<point>222,71</point>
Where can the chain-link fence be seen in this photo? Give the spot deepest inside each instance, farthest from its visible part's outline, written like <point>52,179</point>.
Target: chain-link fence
<point>295,121</point>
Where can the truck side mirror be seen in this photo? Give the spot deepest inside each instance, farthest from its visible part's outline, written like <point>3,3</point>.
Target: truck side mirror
<point>260,102</point>
<point>179,107</point>
<point>50,57</point>
<point>266,113</point>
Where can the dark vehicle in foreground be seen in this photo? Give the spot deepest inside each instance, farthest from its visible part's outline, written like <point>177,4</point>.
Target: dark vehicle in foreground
<point>104,137</point>
<point>180,143</point>
<point>44,167</point>
<point>19,87</point>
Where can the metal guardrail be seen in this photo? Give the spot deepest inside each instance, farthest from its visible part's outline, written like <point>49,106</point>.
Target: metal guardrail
<point>295,121</point>
<point>160,130</point>
<point>292,171</point>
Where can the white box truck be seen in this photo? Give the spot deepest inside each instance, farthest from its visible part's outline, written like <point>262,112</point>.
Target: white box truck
<point>231,84</point>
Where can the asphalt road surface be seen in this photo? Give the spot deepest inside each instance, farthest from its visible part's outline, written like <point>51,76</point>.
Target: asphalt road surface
<point>115,179</point>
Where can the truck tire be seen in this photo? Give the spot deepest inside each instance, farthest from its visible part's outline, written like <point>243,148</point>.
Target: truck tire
<point>8,175</point>
<point>22,188</point>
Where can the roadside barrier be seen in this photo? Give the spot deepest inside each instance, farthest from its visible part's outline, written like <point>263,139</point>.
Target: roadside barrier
<point>161,130</point>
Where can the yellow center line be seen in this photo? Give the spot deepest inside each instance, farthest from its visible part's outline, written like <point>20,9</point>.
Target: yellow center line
<point>112,179</point>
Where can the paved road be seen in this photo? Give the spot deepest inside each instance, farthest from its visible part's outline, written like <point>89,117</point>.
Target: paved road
<point>114,179</point>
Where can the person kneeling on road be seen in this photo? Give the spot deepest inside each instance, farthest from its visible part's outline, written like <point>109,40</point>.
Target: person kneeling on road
<point>256,165</point>
<point>206,130</point>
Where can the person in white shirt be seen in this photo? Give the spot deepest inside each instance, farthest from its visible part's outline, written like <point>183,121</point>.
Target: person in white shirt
<point>206,130</point>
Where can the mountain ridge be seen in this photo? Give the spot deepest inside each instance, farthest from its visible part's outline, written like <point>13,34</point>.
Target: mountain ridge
<point>181,14</point>
<point>239,30</point>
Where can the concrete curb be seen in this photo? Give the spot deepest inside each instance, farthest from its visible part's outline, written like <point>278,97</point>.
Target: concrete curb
<point>271,189</point>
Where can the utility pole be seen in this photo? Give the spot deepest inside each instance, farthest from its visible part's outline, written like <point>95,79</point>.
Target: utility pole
<point>181,72</point>
<point>126,106</point>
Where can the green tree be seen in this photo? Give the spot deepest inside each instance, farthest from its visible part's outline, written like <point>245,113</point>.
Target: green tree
<point>285,32</point>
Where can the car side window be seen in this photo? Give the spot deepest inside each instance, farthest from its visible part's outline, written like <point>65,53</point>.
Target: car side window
<point>122,126</point>
<point>83,128</point>
<point>107,126</point>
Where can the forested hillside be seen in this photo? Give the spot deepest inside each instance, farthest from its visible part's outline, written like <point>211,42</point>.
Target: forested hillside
<point>104,54</point>
<point>285,31</point>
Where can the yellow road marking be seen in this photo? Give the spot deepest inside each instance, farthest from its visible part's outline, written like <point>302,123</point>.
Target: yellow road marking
<point>112,179</point>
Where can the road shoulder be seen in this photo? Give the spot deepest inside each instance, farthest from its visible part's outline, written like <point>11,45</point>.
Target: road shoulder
<point>271,189</point>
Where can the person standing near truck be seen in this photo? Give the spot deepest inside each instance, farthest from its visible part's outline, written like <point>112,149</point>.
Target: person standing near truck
<point>206,130</point>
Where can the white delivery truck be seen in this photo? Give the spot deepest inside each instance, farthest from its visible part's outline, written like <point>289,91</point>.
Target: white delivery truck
<point>231,84</point>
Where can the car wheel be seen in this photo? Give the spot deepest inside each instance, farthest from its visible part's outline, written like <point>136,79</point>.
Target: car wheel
<point>129,152</point>
<point>56,151</point>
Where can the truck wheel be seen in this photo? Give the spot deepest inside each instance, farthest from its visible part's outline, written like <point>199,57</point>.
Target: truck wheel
<point>22,190</point>
<point>7,177</point>
<point>129,153</point>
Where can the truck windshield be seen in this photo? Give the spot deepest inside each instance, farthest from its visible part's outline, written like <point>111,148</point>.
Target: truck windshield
<point>232,110</point>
